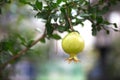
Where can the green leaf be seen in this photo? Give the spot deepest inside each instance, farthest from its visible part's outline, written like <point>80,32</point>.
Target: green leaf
<point>22,39</point>
<point>43,14</point>
<point>53,6</point>
<point>78,21</point>
<point>54,16</point>
<point>115,25</point>
<point>101,1</point>
<point>64,0</point>
<point>104,9</point>
<point>106,22</point>
<point>84,15</point>
<point>61,28</point>
<point>94,30</point>
<point>23,1</point>
<point>26,2</point>
<point>98,28</point>
<point>59,1</point>
<point>56,36</point>
<point>107,31</point>
<point>99,19</point>
<point>93,16</point>
<point>29,43</point>
<point>43,40</point>
<point>38,5</point>
<point>63,10</point>
<point>49,28</point>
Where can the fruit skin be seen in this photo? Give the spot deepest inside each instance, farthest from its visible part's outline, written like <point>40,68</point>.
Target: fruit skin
<point>72,44</point>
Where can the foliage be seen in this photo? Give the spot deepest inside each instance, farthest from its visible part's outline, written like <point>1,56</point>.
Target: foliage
<point>63,15</point>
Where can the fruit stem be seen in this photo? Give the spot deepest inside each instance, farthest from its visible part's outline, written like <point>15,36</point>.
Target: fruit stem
<point>69,19</point>
<point>71,26</point>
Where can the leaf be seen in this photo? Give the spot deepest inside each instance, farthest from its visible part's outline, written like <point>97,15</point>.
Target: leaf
<point>43,14</point>
<point>29,43</point>
<point>101,1</point>
<point>78,21</point>
<point>23,1</point>
<point>99,19</point>
<point>63,10</point>
<point>84,15</point>
<point>94,30</point>
<point>115,25</point>
<point>106,22</point>
<point>61,28</point>
<point>49,28</point>
<point>93,16</point>
<point>98,28</point>
<point>53,6</point>
<point>56,36</point>
<point>54,16</point>
<point>38,5</point>
<point>59,1</point>
<point>104,9</point>
<point>64,0</point>
<point>26,2</point>
<point>107,31</point>
<point>22,39</point>
<point>43,40</point>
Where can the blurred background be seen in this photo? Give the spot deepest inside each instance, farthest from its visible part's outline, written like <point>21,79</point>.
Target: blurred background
<point>100,60</point>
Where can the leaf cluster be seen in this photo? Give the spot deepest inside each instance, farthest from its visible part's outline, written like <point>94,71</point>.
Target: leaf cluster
<point>11,45</point>
<point>63,15</point>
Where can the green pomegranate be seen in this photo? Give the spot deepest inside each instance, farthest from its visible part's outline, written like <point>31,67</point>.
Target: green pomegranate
<point>72,44</point>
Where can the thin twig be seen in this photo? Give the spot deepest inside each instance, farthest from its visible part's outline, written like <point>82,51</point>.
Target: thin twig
<point>20,53</point>
<point>71,26</point>
<point>70,22</point>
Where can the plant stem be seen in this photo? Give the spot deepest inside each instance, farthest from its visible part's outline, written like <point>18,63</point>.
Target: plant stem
<point>71,26</point>
<point>20,53</point>
<point>69,19</point>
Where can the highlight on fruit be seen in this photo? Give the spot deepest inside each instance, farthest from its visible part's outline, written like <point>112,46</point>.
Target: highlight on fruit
<point>73,44</point>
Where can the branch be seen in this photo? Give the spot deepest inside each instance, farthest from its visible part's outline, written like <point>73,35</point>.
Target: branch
<point>71,26</point>
<point>20,53</point>
<point>69,21</point>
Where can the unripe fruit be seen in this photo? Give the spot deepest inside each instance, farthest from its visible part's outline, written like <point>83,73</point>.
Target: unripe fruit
<point>72,44</point>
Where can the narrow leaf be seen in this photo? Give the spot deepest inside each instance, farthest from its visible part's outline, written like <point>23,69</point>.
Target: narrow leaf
<point>49,28</point>
<point>59,1</point>
<point>29,43</point>
<point>23,1</point>
<point>99,19</point>
<point>115,25</point>
<point>43,15</point>
<point>94,30</point>
<point>43,40</point>
<point>107,31</point>
<point>61,28</point>
<point>38,5</point>
<point>56,36</point>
